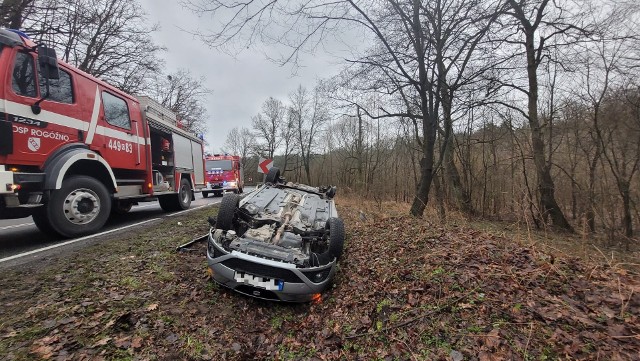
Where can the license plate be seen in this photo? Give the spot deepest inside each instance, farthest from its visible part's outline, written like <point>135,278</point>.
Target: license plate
<point>257,281</point>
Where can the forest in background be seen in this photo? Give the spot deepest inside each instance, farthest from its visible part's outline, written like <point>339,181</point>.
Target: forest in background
<point>509,110</point>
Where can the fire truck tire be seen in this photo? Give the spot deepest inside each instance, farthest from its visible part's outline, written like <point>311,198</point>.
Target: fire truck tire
<point>80,207</point>
<point>42,222</point>
<point>227,211</point>
<point>273,176</point>
<point>205,194</point>
<point>121,207</point>
<point>218,194</point>
<point>179,201</point>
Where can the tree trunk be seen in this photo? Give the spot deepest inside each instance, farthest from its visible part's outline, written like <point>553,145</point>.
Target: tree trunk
<point>442,214</point>
<point>422,193</point>
<point>627,222</point>
<point>461,197</point>
<point>548,205</point>
<point>429,118</point>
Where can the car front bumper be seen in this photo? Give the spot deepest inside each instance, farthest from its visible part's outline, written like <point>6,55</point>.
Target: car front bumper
<point>266,279</point>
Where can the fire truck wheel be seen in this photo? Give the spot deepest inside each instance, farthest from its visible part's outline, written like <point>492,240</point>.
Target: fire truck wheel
<point>179,201</point>
<point>121,207</point>
<point>227,211</point>
<point>205,194</point>
<point>42,221</point>
<point>80,207</point>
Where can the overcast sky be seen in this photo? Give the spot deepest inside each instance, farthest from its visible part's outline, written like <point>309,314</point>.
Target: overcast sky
<point>238,85</point>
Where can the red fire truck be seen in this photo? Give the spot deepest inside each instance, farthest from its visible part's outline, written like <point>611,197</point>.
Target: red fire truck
<point>74,149</point>
<point>224,173</point>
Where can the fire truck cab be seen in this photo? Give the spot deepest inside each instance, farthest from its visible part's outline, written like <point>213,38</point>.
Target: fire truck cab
<point>224,173</point>
<point>74,149</point>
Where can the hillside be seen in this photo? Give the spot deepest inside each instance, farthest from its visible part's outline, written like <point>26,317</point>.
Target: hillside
<point>406,289</point>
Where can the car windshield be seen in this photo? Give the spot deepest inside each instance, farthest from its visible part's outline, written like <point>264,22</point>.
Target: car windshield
<point>222,164</point>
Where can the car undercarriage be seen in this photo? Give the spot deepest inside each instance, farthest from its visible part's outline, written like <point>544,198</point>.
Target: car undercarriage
<point>281,241</point>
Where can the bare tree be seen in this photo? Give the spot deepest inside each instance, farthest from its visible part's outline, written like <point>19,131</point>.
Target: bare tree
<point>185,96</point>
<point>396,25</point>
<point>549,19</point>
<point>109,39</point>
<point>266,127</point>
<point>239,142</point>
<point>457,30</point>
<point>288,138</point>
<point>309,114</point>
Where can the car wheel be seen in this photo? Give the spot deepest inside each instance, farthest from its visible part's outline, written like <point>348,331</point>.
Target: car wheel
<point>80,207</point>
<point>205,194</point>
<point>227,211</point>
<point>273,176</point>
<point>336,237</point>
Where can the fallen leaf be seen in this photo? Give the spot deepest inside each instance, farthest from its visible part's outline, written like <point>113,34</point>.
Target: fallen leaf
<point>136,342</point>
<point>44,351</point>
<point>122,342</point>
<point>102,342</point>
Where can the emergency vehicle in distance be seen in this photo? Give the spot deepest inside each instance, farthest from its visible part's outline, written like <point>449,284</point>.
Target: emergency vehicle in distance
<point>224,173</point>
<point>74,149</point>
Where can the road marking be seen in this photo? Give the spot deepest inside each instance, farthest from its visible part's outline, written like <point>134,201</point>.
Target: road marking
<point>73,241</point>
<point>192,209</point>
<point>17,225</point>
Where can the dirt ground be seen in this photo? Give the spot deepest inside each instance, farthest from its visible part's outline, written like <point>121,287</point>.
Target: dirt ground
<point>406,289</point>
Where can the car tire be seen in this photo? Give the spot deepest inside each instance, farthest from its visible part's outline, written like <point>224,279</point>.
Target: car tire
<point>80,207</point>
<point>227,211</point>
<point>273,176</point>
<point>335,229</point>
<point>205,194</point>
<point>336,237</point>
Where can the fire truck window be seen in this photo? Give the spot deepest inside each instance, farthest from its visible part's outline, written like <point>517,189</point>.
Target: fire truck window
<point>116,111</point>
<point>60,90</point>
<point>24,82</point>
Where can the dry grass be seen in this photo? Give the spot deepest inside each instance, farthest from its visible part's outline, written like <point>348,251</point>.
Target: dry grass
<point>592,248</point>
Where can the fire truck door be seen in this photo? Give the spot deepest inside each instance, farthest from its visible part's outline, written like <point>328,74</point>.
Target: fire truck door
<point>122,133</point>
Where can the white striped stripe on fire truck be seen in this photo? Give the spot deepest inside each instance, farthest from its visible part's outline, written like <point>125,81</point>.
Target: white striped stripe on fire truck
<point>69,122</point>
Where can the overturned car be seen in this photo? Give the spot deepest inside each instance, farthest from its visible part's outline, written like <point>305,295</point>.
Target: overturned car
<point>280,242</point>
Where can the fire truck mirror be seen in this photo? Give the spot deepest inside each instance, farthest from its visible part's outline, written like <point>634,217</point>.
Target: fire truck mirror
<point>48,62</point>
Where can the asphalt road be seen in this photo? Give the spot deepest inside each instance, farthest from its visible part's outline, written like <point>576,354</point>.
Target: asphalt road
<point>21,241</point>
